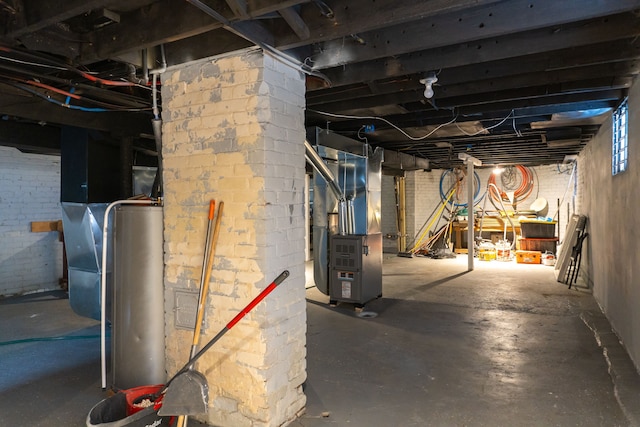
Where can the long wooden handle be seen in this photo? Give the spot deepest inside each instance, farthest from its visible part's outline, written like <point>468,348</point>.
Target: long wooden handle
<point>204,287</point>
<point>205,283</point>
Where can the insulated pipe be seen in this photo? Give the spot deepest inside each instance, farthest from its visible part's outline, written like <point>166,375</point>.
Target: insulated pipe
<point>103,283</point>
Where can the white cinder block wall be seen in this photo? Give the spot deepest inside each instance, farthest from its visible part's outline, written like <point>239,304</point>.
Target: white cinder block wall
<point>423,196</point>
<point>29,191</point>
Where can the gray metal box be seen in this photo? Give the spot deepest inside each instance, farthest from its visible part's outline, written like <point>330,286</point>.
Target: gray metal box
<point>355,268</point>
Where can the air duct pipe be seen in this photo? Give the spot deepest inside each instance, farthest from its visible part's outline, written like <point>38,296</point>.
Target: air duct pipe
<point>316,161</point>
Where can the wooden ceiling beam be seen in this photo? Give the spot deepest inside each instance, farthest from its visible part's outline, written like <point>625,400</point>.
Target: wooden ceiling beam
<point>239,8</point>
<point>39,14</point>
<point>410,89</point>
<point>348,17</point>
<point>611,75</point>
<point>296,23</point>
<point>618,27</point>
<point>166,21</point>
<point>486,112</point>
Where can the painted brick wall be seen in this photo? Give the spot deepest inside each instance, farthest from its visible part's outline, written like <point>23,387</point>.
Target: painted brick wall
<point>29,191</point>
<point>553,182</point>
<point>234,131</point>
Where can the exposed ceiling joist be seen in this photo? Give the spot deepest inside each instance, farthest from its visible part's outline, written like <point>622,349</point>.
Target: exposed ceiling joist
<point>239,8</point>
<point>479,23</point>
<point>296,23</point>
<point>504,68</point>
<point>519,44</point>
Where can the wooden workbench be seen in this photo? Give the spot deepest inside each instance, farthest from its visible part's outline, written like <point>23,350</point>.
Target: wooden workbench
<point>490,224</point>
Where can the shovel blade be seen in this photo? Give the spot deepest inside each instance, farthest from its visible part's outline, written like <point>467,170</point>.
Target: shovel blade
<point>188,394</point>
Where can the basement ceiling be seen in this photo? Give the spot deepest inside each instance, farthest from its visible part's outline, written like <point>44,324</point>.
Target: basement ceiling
<point>518,82</point>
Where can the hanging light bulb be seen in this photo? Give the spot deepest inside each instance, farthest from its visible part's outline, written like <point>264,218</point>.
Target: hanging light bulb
<point>428,91</point>
<point>428,85</point>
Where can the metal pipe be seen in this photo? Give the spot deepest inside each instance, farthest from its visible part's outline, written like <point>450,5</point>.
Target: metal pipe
<point>342,217</point>
<point>351,220</point>
<point>316,161</point>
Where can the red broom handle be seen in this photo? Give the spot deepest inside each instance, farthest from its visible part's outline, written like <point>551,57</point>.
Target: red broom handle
<point>230,325</point>
<point>259,298</point>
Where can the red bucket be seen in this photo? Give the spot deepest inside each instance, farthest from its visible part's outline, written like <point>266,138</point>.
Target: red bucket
<point>135,407</point>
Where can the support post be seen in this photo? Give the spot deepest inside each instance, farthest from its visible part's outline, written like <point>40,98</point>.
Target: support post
<point>471,162</point>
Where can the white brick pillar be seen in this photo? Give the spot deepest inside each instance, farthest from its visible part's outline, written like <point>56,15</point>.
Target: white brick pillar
<point>233,131</point>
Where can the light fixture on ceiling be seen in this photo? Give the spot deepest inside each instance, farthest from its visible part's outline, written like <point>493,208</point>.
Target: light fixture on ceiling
<point>497,170</point>
<point>428,82</point>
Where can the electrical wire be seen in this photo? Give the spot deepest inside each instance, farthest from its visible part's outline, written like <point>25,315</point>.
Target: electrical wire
<point>49,63</point>
<point>59,103</point>
<point>413,138</point>
<point>69,94</point>
<point>485,129</point>
<point>34,64</point>
<point>402,131</point>
<point>47,98</point>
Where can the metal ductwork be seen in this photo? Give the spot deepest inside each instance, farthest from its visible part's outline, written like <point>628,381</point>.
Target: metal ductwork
<point>347,239</point>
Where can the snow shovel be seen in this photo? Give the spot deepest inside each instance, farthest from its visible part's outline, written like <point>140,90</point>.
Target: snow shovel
<point>187,392</point>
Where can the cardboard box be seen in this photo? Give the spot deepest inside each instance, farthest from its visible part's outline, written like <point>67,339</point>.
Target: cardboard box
<point>528,257</point>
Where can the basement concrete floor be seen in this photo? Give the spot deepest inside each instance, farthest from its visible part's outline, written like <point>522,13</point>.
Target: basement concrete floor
<point>503,345</point>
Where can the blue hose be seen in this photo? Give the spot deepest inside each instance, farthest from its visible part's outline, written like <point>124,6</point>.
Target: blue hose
<point>443,196</point>
<point>59,338</point>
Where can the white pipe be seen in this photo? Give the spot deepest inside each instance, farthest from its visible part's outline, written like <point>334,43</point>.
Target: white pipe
<point>103,283</point>
<point>470,216</point>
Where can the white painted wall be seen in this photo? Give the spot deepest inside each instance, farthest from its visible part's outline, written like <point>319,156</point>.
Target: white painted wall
<point>611,259</point>
<point>29,191</point>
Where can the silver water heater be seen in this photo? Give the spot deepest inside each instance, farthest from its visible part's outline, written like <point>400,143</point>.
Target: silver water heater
<point>137,337</point>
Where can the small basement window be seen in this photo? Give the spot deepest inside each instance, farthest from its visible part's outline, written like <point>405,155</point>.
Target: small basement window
<point>620,143</point>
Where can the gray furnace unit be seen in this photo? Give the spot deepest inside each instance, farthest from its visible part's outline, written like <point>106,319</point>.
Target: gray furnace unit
<point>355,276</point>
<point>347,239</point>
